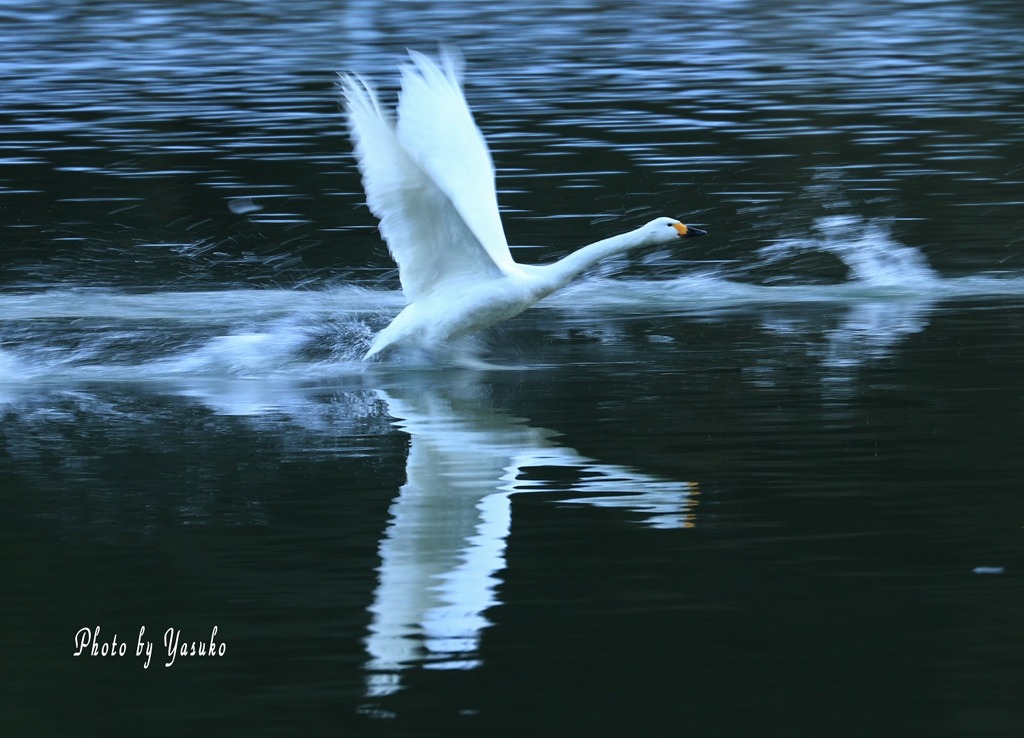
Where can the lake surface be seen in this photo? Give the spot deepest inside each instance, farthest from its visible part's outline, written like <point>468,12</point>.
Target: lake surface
<point>766,484</point>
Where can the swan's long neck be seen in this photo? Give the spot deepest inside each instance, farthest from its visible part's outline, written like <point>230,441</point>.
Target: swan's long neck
<point>560,273</point>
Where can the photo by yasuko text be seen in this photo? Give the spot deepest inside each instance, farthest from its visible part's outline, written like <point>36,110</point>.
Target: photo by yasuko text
<point>91,642</point>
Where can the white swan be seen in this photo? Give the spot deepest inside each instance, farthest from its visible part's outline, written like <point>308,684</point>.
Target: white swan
<point>429,178</point>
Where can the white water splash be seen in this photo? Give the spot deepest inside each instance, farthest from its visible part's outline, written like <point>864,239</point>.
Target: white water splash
<point>868,250</point>
<point>101,335</point>
<point>881,270</point>
<point>78,334</point>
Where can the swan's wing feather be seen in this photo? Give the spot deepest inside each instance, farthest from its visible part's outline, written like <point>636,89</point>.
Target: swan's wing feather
<point>437,128</point>
<point>425,231</point>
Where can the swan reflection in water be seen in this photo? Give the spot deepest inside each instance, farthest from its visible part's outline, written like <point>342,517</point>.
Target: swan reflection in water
<point>445,542</point>
<point>442,548</point>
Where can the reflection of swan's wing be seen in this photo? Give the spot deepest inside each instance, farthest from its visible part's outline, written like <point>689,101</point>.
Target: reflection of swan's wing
<point>438,557</point>
<point>446,538</point>
<point>424,229</point>
<point>445,542</point>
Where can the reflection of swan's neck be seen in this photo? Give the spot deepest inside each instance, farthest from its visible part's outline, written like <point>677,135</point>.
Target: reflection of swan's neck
<point>564,270</point>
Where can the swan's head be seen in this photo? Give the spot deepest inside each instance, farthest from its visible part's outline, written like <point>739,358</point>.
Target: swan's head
<point>666,230</point>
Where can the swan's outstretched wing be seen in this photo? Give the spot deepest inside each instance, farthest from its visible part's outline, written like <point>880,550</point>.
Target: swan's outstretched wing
<point>437,128</point>
<point>414,186</point>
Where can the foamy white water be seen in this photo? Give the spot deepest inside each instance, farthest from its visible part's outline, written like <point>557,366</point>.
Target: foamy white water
<point>69,334</point>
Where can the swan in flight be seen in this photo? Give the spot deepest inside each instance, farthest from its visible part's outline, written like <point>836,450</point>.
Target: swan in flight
<point>429,179</point>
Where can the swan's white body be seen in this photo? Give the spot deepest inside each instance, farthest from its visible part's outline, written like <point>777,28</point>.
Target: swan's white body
<point>429,178</point>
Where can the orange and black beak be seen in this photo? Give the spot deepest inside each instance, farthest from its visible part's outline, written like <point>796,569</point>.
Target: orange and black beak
<point>688,231</point>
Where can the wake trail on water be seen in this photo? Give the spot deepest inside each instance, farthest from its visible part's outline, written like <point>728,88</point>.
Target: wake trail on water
<point>86,334</point>
<point>80,334</point>
<point>879,269</point>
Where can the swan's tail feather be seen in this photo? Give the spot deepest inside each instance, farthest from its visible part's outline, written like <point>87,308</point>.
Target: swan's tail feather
<point>383,340</point>
<point>373,351</point>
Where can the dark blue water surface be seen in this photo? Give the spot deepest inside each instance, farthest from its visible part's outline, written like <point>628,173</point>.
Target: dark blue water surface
<point>769,484</point>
